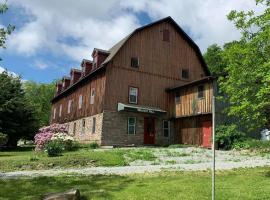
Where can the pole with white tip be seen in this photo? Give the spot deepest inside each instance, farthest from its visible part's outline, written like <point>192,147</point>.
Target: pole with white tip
<point>213,141</point>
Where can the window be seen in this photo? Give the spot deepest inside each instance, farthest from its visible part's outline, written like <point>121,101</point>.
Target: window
<point>166,35</point>
<point>131,125</point>
<point>69,105</point>
<point>200,91</point>
<point>92,96</point>
<point>135,62</point>
<point>80,101</point>
<point>94,125</point>
<point>166,128</point>
<point>74,128</point>
<point>83,126</point>
<point>133,95</point>
<point>177,97</point>
<point>60,110</point>
<point>54,113</point>
<point>185,73</point>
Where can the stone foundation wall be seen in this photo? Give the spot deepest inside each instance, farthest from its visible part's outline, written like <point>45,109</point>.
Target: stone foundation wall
<point>114,130</point>
<point>87,135</point>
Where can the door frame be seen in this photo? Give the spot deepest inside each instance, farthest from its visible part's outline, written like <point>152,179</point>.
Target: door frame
<point>149,140</point>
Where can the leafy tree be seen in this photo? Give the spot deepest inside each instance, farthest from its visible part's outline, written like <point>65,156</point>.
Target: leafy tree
<point>4,31</point>
<point>214,59</point>
<point>39,96</point>
<point>17,119</point>
<point>247,83</point>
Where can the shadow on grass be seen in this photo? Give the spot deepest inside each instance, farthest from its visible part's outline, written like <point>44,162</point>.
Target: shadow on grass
<point>90,186</point>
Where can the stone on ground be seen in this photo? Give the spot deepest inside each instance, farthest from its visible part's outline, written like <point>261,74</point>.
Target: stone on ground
<point>73,194</point>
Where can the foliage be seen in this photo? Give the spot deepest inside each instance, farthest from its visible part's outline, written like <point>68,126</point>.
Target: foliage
<point>252,144</point>
<point>248,68</point>
<point>48,133</point>
<point>17,118</point>
<point>93,145</point>
<point>54,148</point>
<point>140,154</point>
<point>245,184</point>
<point>215,61</point>
<point>226,136</point>
<point>39,95</point>
<point>179,146</point>
<point>3,139</point>
<point>4,31</point>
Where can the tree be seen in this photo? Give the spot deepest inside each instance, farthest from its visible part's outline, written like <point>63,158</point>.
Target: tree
<point>214,59</point>
<point>247,83</point>
<point>4,31</point>
<point>17,119</point>
<point>39,96</point>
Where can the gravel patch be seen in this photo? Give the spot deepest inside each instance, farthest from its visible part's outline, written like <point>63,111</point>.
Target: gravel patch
<point>178,159</point>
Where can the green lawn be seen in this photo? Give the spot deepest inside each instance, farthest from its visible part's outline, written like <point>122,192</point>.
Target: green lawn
<point>27,159</point>
<point>241,184</point>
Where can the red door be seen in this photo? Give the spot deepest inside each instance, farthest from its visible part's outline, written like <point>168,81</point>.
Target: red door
<point>149,130</point>
<point>207,134</point>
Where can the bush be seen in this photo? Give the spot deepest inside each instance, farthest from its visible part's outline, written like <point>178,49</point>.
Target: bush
<point>54,148</point>
<point>93,145</point>
<point>3,139</point>
<point>226,136</point>
<point>252,144</point>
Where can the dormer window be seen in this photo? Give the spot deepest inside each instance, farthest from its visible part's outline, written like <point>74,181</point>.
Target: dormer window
<point>135,62</point>
<point>166,35</point>
<point>185,74</point>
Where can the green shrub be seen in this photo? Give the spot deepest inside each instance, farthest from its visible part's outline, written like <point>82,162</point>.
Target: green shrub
<point>93,145</point>
<point>54,148</point>
<point>251,144</point>
<point>3,139</point>
<point>226,136</point>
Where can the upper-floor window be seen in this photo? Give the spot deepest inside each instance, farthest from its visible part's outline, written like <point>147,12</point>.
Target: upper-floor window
<point>69,105</point>
<point>133,95</point>
<point>94,125</point>
<point>185,74</point>
<point>92,96</point>
<point>177,97</point>
<point>166,35</point>
<point>131,125</point>
<point>80,101</point>
<point>54,113</point>
<point>166,128</point>
<point>60,110</point>
<point>200,91</point>
<point>135,62</point>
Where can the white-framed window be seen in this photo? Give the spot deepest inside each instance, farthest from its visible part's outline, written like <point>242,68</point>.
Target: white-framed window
<point>83,127</point>
<point>54,113</point>
<point>133,95</point>
<point>94,125</point>
<point>80,101</point>
<point>131,125</point>
<point>69,105</point>
<point>166,128</point>
<point>60,110</point>
<point>92,96</point>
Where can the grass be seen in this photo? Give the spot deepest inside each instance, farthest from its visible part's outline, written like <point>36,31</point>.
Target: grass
<point>175,153</point>
<point>248,184</point>
<point>27,159</point>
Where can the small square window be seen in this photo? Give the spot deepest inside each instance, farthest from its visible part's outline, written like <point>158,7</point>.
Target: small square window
<point>185,74</point>
<point>135,62</point>
<point>166,128</point>
<point>131,125</point>
<point>133,95</point>
<point>166,35</point>
<point>200,91</point>
<point>177,97</point>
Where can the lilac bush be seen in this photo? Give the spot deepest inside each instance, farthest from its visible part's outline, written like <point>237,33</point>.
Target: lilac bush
<point>45,134</point>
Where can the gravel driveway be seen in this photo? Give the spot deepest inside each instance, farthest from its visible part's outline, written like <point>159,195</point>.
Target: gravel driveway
<point>178,159</point>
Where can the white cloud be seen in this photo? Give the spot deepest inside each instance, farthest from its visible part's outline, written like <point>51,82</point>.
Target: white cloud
<point>101,24</point>
<point>11,73</point>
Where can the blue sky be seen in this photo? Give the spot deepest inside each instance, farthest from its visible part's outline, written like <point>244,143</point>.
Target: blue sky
<point>53,36</point>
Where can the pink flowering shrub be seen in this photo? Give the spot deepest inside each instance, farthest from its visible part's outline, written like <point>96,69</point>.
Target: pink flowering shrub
<point>45,134</point>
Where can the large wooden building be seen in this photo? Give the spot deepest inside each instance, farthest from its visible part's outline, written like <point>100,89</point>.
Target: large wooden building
<point>153,87</point>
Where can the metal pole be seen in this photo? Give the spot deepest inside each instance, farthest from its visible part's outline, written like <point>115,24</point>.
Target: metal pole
<point>213,141</point>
